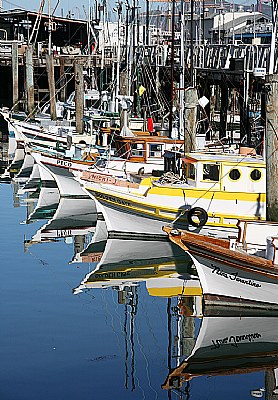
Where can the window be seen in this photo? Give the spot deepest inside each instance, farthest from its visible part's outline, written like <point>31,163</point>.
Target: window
<point>156,150</point>
<point>234,174</point>
<point>255,175</point>
<point>137,149</point>
<point>211,172</point>
<point>101,162</point>
<point>3,34</point>
<point>191,174</point>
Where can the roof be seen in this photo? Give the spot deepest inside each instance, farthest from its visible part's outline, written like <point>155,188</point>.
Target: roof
<point>23,13</point>
<point>228,158</point>
<point>238,21</point>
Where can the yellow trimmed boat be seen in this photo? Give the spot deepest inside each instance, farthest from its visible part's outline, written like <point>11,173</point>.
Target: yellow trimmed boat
<point>215,189</point>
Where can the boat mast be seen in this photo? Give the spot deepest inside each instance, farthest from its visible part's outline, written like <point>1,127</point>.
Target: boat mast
<point>147,23</point>
<point>181,91</point>
<point>191,43</point>
<point>89,36</point>
<point>49,29</point>
<point>172,70</point>
<point>117,83</point>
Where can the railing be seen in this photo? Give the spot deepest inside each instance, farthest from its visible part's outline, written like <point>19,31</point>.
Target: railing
<point>214,56</point>
<point>210,56</point>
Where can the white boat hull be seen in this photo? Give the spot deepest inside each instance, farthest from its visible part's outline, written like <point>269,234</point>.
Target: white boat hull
<point>123,223</point>
<point>226,283</point>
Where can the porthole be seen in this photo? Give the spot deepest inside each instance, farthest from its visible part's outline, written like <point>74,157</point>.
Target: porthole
<point>234,174</point>
<point>255,175</point>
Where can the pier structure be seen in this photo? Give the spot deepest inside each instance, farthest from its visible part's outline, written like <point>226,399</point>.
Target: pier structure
<point>29,81</point>
<point>229,75</point>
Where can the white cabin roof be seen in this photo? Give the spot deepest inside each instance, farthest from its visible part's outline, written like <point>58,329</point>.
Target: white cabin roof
<point>226,158</point>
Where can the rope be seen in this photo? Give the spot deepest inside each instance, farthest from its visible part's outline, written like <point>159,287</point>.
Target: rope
<point>171,178</point>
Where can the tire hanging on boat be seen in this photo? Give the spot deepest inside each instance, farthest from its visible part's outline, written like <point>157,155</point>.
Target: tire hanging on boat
<point>198,212</point>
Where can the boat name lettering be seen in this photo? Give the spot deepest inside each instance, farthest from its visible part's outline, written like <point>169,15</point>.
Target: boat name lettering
<point>63,233</point>
<point>112,199</point>
<point>64,163</point>
<point>234,277</point>
<point>101,178</point>
<point>110,275</point>
<point>235,340</point>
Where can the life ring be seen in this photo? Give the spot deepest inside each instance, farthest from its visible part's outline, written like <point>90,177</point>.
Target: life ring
<point>198,212</point>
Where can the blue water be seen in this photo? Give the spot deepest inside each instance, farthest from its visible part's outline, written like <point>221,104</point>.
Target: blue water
<point>58,345</point>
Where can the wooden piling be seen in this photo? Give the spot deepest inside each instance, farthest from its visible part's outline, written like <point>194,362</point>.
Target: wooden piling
<point>79,96</point>
<point>30,80</point>
<point>51,85</point>
<point>223,109</point>
<point>63,92</point>
<point>190,114</point>
<point>270,384</point>
<point>271,146</point>
<point>15,75</point>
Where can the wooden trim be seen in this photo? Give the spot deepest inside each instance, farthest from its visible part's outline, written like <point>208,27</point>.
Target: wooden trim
<point>215,249</point>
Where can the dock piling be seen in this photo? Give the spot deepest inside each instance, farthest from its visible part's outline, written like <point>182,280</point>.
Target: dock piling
<point>30,80</point>
<point>15,75</point>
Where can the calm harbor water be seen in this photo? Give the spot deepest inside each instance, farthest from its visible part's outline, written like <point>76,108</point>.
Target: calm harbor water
<point>63,336</point>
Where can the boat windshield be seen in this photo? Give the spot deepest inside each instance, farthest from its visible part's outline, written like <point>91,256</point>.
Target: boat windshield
<point>100,162</point>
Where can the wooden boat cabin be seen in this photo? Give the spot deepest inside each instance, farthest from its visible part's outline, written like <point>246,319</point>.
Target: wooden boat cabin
<point>145,148</point>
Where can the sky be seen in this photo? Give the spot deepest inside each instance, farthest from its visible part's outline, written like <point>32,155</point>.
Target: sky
<point>76,6</point>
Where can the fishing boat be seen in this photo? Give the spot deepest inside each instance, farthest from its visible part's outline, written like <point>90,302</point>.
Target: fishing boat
<point>235,271</point>
<point>215,190</point>
<point>62,169</point>
<point>47,133</point>
<point>134,154</point>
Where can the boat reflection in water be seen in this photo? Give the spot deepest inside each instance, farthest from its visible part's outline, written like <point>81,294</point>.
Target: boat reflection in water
<point>47,195</point>
<point>160,333</point>
<point>123,263</point>
<point>73,218</point>
<point>228,346</point>
<point>200,343</point>
<point>14,166</point>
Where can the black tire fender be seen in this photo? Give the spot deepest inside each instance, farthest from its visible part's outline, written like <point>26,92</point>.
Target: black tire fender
<point>200,213</point>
